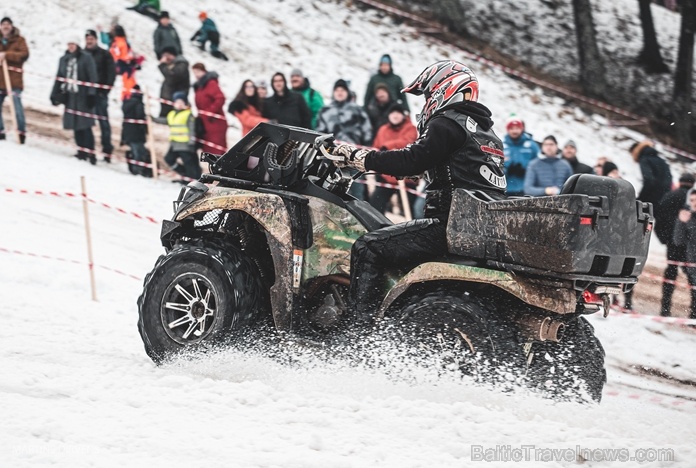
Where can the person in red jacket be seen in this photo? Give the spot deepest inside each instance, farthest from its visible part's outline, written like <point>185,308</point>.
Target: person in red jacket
<point>247,107</point>
<point>397,133</point>
<point>209,101</point>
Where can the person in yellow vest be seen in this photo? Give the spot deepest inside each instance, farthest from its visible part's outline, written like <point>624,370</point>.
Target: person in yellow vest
<point>182,156</point>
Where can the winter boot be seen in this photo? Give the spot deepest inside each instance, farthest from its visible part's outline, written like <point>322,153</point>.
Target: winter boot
<point>22,138</point>
<point>2,135</point>
<point>93,159</point>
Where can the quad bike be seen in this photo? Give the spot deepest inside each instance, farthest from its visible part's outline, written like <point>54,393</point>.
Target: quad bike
<point>267,235</point>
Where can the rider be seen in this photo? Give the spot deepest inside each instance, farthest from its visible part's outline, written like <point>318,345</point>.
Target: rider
<point>458,149</point>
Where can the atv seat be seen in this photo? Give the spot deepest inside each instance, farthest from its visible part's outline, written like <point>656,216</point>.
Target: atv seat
<point>367,215</point>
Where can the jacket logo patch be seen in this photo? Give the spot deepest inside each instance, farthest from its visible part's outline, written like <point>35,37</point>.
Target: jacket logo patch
<point>493,179</point>
<point>495,151</point>
<point>471,124</point>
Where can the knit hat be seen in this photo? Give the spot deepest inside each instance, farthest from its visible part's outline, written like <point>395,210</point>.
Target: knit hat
<point>169,50</point>
<point>386,58</point>
<point>570,143</point>
<point>514,121</point>
<point>341,83</point>
<point>180,95</point>
<point>550,137</point>
<point>73,38</point>
<point>396,107</point>
<point>687,179</point>
<point>164,14</point>
<point>199,66</point>
<point>261,84</point>
<point>91,32</point>
<point>608,167</point>
<point>6,18</point>
<point>296,72</point>
<point>202,15</point>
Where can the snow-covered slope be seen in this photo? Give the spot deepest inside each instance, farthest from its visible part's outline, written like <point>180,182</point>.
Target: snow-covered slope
<point>78,390</point>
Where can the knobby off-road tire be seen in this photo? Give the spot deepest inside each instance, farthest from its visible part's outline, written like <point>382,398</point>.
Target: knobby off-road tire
<point>461,332</point>
<point>197,295</point>
<point>572,369</point>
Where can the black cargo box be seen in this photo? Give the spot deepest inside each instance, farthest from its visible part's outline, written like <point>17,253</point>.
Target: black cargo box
<point>595,227</point>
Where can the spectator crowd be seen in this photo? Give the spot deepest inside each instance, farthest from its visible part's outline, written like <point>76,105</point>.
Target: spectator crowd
<point>92,62</point>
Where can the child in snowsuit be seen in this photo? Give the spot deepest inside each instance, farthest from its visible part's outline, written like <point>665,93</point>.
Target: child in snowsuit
<point>182,156</point>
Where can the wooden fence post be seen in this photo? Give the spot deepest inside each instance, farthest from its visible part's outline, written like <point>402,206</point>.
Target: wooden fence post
<point>151,136</point>
<point>8,86</point>
<point>90,257</point>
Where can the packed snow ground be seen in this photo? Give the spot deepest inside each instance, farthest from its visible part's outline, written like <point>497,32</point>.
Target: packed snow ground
<point>77,388</point>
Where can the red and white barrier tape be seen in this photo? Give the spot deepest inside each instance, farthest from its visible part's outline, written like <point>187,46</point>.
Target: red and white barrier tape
<point>665,280</point>
<point>72,195</point>
<point>65,260</point>
<point>651,398</point>
<point>617,311</point>
<point>684,264</point>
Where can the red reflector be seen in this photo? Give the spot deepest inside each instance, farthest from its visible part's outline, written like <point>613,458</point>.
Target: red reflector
<point>586,220</point>
<point>650,226</point>
<point>591,298</point>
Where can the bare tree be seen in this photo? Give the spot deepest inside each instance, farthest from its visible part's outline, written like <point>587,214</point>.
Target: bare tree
<point>650,56</point>
<point>592,72</point>
<point>682,108</point>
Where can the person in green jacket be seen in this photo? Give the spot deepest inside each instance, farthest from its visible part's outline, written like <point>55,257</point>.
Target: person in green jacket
<point>314,101</point>
<point>387,76</point>
<point>149,8</point>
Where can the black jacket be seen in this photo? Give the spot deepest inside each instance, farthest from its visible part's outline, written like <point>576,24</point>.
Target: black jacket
<point>288,109</point>
<point>176,78</point>
<point>666,213</point>
<point>657,180</point>
<point>578,167</point>
<point>133,108</point>
<point>458,148</point>
<point>106,69</point>
<point>685,236</point>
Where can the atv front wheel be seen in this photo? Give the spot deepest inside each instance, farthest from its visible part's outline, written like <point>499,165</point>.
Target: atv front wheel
<point>196,294</point>
<point>461,332</point>
<point>572,369</point>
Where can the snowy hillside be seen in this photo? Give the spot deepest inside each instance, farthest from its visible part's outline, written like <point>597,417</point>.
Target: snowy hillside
<point>541,34</point>
<point>77,389</point>
<point>325,39</point>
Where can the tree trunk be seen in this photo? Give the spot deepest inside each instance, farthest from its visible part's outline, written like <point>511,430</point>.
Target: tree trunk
<point>650,57</point>
<point>682,108</point>
<point>592,73</point>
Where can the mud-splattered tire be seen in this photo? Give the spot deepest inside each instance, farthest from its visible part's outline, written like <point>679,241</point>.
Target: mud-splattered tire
<point>461,332</point>
<point>572,369</point>
<point>195,296</point>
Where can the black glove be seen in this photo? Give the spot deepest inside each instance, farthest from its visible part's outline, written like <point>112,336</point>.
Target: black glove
<point>91,101</point>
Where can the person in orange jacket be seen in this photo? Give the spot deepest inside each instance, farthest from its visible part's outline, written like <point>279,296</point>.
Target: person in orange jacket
<point>124,59</point>
<point>247,107</point>
<point>397,133</point>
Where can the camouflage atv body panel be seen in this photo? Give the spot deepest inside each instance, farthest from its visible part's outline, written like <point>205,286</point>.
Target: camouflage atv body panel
<point>270,212</point>
<point>335,230</point>
<point>552,295</point>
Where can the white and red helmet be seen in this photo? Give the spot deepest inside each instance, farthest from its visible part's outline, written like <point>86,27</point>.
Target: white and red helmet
<point>443,83</point>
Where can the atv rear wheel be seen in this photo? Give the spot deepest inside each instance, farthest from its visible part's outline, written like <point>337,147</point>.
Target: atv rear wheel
<point>196,295</point>
<point>461,332</point>
<point>572,369</point>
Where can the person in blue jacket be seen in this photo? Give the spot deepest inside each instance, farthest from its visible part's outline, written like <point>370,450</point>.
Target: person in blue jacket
<point>519,149</point>
<point>547,173</point>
